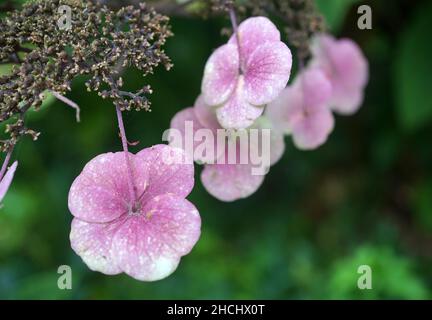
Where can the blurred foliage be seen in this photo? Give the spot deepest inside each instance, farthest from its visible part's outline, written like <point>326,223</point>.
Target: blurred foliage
<point>335,11</point>
<point>362,199</point>
<point>412,71</point>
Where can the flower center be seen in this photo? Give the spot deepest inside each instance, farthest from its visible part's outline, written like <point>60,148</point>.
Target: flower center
<point>135,209</point>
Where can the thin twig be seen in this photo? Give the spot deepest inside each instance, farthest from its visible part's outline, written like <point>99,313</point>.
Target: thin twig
<point>69,103</point>
<point>131,185</point>
<point>237,35</point>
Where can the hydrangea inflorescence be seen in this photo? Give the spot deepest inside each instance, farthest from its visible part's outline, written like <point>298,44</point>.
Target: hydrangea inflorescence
<point>130,210</point>
<point>248,75</point>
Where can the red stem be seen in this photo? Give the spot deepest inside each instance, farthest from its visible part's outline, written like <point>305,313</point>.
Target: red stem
<point>131,185</point>
<point>234,24</point>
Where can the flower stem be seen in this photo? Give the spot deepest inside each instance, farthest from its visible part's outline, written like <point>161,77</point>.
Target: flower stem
<point>68,102</point>
<point>5,163</point>
<point>131,184</point>
<point>234,24</point>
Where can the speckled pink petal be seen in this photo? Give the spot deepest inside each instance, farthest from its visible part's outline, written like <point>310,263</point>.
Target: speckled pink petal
<point>92,242</point>
<point>237,113</point>
<point>254,32</point>
<point>176,177</point>
<point>100,193</point>
<point>206,114</point>
<point>220,75</point>
<point>312,130</point>
<point>7,180</point>
<point>230,182</point>
<point>149,246</point>
<point>267,72</point>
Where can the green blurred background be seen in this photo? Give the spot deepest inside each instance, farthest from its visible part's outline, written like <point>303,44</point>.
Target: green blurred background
<point>365,197</point>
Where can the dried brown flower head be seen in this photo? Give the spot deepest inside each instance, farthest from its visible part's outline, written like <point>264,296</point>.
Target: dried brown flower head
<point>98,44</point>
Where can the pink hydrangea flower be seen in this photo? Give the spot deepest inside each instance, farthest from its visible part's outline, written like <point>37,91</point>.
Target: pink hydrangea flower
<point>302,110</point>
<point>145,238</point>
<point>223,180</point>
<point>241,79</point>
<point>7,180</point>
<point>346,67</point>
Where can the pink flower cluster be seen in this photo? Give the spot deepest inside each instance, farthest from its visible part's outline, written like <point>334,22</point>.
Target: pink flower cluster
<point>240,79</point>
<point>224,180</point>
<point>333,81</point>
<point>249,73</point>
<point>130,212</point>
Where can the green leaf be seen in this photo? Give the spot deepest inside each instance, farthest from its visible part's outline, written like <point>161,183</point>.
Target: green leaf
<point>413,66</point>
<point>334,11</point>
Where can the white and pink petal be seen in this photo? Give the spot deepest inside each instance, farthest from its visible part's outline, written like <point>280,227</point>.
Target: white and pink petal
<point>237,112</point>
<point>92,242</point>
<point>169,171</point>
<point>254,32</point>
<point>220,75</point>
<point>230,182</point>
<point>268,70</point>
<point>100,193</point>
<point>149,246</point>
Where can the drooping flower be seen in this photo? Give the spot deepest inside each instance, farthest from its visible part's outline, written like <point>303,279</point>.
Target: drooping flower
<point>347,69</point>
<point>7,180</point>
<point>241,79</point>
<point>224,177</point>
<point>144,238</point>
<point>302,110</point>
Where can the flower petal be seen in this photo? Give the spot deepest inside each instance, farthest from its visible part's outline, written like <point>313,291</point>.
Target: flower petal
<point>149,246</point>
<point>286,109</point>
<point>346,67</point>
<point>100,193</point>
<point>169,171</point>
<point>316,87</point>
<point>206,114</point>
<point>220,75</point>
<point>277,142</point>
<point>7,180</point>
<point>92,242</point>
<point>312,131</point>
<point>346,101</point>
<point>267,72</point>
<point>253,32</point>
<point>237,113</point>
<point>191,133</point>
<point>230,182</point>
